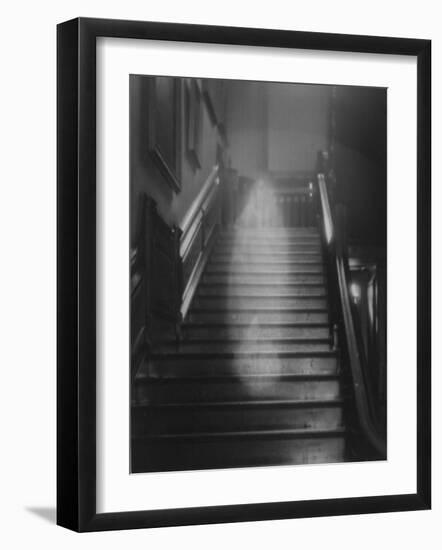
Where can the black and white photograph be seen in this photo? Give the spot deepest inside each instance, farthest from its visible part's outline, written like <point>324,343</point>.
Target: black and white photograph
<point>221,327</point>
<point>258,273</point>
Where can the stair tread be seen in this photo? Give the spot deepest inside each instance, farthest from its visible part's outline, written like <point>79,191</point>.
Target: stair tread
<point>249,452</point>
<point>231,267</point>
<point>261,261</point>
<point>220,281</point>
<point>261,272</point>
<point>274,236</point>
<point>267,403</point>
<point>255,354</point>
<point>270,250</point>
<point>197,309</point>
<point>266,249</point>
<point>223,349</point>
<point>297,245</point>
<point>268,253</point>
<point>235,378</point>
<point>252,338</point>
<point>205,303</point>
<point>265,296</point>
<point>281,240</point>
<point>247,315</point>
<point>284,284</point>
<point>250,363</point>
<point>265,324</point>
<point>253,331</point>
<point>267,232</point>
<point>274,433</point>
<point>270,230</point>
<point>276,339</point>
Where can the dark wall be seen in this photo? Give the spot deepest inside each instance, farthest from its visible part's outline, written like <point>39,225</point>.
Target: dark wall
<point>359,123</point>
<point>276,128</point>
<point>172,120</point>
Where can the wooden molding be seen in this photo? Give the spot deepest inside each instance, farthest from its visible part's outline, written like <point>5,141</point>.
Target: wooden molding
<point>169,167</point>
<point>193,122</point>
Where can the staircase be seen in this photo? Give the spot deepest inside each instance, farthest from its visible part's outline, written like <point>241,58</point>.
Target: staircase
<point>255,380</point>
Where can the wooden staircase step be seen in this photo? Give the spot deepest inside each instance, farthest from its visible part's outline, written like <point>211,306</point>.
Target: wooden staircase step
<point>236,331</point>
<point>251,345</point>
<point>252,257</point>
<point>269,237</point>
<point>212,364</point>
<point>236,416</point>
<point>284,279</point>
<point>276,301</point>
<point>298,244</point>
<point>266,246</point>
<point>292,230</point>
<point>208,289</point>
<point>257,315</point>
<point>269,268</point>
<point>275,230</point>
<point>282,262</point>
<point>224,247</point>
<point>237,449</point>
<point>236,388</point>
<point>270,232</point>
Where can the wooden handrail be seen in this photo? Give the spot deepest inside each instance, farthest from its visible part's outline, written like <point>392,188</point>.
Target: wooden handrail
<point>359,386</point>
<point>326,211</point>
<point>198,231</point>
<point>192,214</point>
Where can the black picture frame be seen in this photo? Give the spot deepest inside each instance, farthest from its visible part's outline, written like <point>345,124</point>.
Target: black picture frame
<point>76,272</point>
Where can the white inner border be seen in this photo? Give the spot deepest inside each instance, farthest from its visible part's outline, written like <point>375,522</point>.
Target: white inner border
<point>116,489</point>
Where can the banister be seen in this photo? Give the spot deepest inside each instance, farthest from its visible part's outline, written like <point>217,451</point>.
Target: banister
<point>198,232</point>
<point>326,211</point>
<point>194,210</point>
<point>359,386</point>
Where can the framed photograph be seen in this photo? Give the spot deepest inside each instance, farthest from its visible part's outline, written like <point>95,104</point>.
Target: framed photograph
<point>243,274</point>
